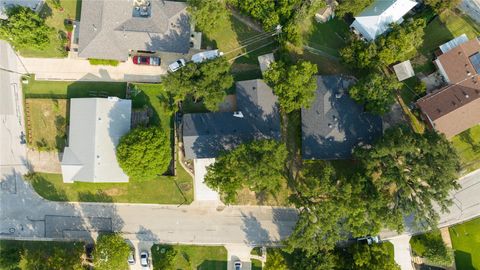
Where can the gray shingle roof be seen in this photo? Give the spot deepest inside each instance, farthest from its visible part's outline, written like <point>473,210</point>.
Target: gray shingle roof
<point>205,135</point>
<point>96,126</point>
<point>335,124</point>
<point>108,29</point>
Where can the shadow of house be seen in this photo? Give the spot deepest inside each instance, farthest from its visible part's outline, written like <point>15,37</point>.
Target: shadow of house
<point>206,135</point>
<point>334,125</point>
<point>111,29</point>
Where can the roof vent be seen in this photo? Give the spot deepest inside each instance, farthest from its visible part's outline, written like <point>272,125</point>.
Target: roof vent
<point>453,103</point>
<point>94,27</point>
<point>468,73</point>
<point>439,111</point>
<point>238,114</point>
<point>467,96</point>
<point>330,125</point>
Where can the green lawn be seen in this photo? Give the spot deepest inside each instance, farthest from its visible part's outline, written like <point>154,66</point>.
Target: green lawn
<point>47,123</point>
<point>76,89</point>
<point>466,243</point>
<point>154,96</point>
<point>192,257</point>
<point>55,19</point>
<point>256,265</point>
<point>467,144</point>
<point>328,37</point>
<point>161,190</point>
<point>230,36</point>
<point>417,242</point>
<point>14,249</point>
<point>443,28</point>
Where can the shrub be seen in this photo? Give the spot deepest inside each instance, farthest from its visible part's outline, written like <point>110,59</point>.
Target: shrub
<point>103,62</point>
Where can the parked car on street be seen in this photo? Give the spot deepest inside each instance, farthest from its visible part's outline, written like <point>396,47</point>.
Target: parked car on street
<point>144,260</point>
<point>131,256</point>
<point>176,65</point>
<point>237,265</point>
<point>146,60</point>
<point>369,239</point>
<point>206,55</point>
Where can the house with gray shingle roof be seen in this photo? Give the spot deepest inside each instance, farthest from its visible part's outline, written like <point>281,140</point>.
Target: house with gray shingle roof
<point>335,123</point>
<point>112,29</point>
<point>96,126</point>
<point>206,135</point>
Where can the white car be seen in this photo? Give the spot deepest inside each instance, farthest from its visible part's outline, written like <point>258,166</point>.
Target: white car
<point>176,65</point>
<point>206,55</point>
<point>144,260</point>
<point>237,265</point>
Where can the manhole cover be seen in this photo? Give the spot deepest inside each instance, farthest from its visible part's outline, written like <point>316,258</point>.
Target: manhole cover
<point>11,230</point>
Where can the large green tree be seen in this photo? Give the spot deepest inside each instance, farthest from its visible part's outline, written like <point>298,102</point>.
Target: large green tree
<point>24,28</point>
<point>368,257</point>
<point>144,153</point>
<point>332,209</point>
<point>275,261</point>
<point>441,5</point>
<point>111,252</point>
<point>376,92</point>
<point>353,7</point>
<point>259,165</point>
<point>399,44</point>
<point>208,14</point>
<point>295,85</point>
<point>412,173</point>
<point>207,81</point>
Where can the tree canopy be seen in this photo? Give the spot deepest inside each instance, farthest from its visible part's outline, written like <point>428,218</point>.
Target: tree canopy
<point>207,81</point>
<point>376,92</point>
<point>332,208</point>
<point>441,5</point>
<point>111,252</point>
<point>411,173</point>
<point>295,85</point>
<point>399,44</point>
<point>258,165</point>
<point>24,28</point>
<point>368,257</point>
<point>353,7</point>
<point>144,153</point>
<point>207,14</point>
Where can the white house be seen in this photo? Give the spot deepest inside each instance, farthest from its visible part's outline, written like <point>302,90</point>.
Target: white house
<point>96,126</point>
<point>376,18</point>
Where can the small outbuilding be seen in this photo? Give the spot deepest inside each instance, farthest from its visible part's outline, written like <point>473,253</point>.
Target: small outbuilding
<point>265,61</point>
<point>404,70</point>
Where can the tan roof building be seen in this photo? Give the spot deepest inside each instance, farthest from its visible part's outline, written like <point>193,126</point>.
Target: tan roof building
<point>456,107</point>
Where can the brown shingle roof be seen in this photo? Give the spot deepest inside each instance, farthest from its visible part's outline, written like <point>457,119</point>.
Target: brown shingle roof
<point>455,107</point>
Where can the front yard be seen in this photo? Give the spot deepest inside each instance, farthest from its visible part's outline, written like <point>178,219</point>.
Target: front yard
<point>190,257</point>
<point>466,243</point>
<point>467,145</point>
<point>161,190</point>
<point>55,18</point>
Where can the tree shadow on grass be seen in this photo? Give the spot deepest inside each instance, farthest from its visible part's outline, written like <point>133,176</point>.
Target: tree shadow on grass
<point>46,189</point>
<point>98,196</point>
<point>212,265</point>
<point>467,138</point>
<point>463,260</point>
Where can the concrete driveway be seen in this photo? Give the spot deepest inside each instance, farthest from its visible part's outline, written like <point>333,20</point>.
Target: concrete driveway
<point>402,252</point>
<point>201,191</point>
<point>80,70</point>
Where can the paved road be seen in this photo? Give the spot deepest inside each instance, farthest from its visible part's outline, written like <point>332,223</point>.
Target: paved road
<point>472,8</point>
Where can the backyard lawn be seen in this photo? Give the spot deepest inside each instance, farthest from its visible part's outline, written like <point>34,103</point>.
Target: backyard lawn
<point>55,18</point>
<point>467,144</point>
<point>76,89</point>
<point>191,257</point>
<point>443,28</point>
<point>47,122</point>
<point>466,243</point>
<point>230,36</point>
<point>161,190</point>
<point>328,37</point>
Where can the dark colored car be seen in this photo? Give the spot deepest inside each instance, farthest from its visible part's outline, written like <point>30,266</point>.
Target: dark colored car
<point>146,60</point>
